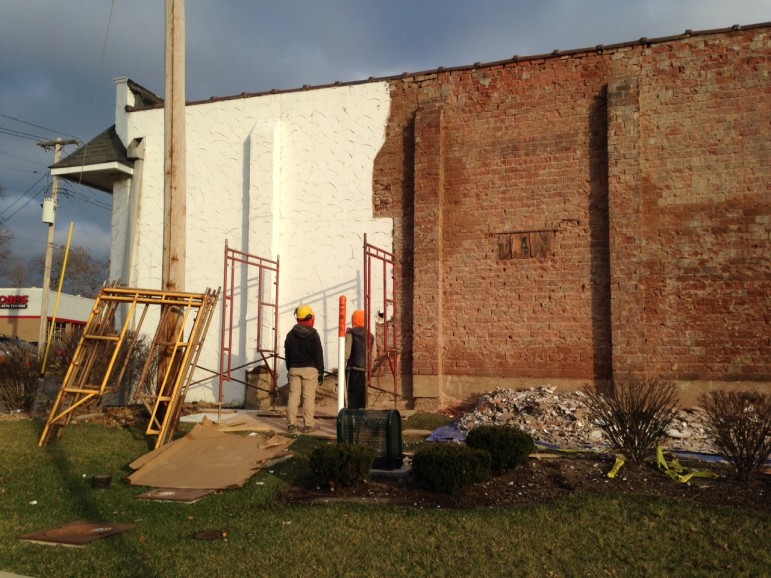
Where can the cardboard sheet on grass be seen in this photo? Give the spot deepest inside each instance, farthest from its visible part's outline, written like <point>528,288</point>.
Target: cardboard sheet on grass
<point>207,459</point>
<point>240,420</point>
<point>76,534</point>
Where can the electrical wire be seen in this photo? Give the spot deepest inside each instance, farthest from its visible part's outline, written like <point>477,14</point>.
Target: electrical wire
<point>20,158</point>
<point>84,193</point>
<point>37,126</point>
<point>20,134</point>
<point>21,170</point>
<point>57,246</point>
<point>8,208</point>
<point>24,205</point>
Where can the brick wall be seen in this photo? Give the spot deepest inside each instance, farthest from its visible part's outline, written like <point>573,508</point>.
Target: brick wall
<point>706,114</point>
<point>576,217</point>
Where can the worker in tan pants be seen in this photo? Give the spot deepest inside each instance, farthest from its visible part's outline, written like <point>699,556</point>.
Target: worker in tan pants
<point>305,362</point>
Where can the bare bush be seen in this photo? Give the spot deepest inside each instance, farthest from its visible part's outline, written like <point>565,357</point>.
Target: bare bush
<point>19,378</point>
<point>634,415</point>
<point>127,367</point>
<point>63,348</point>
<point>740,425</point>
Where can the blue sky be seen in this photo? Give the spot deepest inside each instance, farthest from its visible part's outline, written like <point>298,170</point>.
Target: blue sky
<point>58,60</point>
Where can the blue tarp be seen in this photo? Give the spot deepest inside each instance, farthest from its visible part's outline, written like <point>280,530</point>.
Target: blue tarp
<point>447,433</point>
<point>453,433</point>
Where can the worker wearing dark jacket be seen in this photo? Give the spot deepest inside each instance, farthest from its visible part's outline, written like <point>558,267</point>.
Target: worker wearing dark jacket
<point>305,362</point>
<point>356,350</point>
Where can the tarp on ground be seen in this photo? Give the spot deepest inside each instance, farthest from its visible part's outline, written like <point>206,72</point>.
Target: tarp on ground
<point>447,433</point>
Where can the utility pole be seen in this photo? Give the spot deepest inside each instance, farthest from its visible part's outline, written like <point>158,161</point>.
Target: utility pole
<point>174,185</point>
<point>43,333</point>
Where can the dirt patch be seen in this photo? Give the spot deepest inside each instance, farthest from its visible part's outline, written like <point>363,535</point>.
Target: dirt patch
<point>545,480</point>
<point>119,416</point>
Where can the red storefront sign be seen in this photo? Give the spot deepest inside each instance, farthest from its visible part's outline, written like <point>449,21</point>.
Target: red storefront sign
<point>14,301</point>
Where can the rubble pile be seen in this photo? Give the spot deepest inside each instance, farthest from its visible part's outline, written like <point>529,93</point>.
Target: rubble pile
<point>562,419</point>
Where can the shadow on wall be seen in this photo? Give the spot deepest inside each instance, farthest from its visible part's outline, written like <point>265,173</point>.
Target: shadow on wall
<point>326,317</point>
<point>404,233</point>
<point>599,233</point>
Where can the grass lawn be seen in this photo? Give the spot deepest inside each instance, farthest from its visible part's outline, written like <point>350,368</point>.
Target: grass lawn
<point>581,536</point>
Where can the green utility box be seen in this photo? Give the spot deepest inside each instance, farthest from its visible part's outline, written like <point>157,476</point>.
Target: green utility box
<point>380,429</point>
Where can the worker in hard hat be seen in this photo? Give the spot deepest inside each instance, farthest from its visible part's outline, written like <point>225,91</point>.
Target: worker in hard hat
<point>356,360</point>
<point>305,362</point>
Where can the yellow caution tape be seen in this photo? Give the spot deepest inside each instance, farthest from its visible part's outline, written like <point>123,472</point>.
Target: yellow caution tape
<point>620,461</point>
<point>676,471</point>
<point>672,468</point>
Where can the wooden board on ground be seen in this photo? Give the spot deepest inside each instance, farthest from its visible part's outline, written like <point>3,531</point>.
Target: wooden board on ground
<point>417,432</point>
<point>76,534</point>
<point>186,496</point>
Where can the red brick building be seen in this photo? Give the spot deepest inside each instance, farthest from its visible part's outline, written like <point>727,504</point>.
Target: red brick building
<point>585,215</point>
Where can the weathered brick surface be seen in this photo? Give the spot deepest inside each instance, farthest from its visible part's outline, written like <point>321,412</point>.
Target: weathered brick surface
<point>645,167</point>
<point>428,262</point>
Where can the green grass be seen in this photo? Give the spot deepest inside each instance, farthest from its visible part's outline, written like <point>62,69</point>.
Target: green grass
<point>426,421</point>
<point>580,536</point>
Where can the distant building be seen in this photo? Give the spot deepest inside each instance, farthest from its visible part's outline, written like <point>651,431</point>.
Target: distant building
<point>20,312</point>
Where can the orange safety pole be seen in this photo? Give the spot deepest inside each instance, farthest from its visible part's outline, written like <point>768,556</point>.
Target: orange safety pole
<point>341,357</point>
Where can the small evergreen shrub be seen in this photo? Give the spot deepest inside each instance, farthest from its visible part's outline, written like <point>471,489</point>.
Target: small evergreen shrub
<point>509,446</point>
<point>342,464</point>
<point>739,422</point>
<point>450,467</point>
<point>634,415</point>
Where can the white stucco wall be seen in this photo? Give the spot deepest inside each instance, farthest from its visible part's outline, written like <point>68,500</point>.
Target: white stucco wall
<point>285,176</point>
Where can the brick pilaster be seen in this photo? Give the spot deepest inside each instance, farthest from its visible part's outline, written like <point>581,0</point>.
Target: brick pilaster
<point>429,236</point>
<point>626,229</point>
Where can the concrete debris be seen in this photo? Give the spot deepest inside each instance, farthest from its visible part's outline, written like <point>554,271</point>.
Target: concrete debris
<point>562,419</point>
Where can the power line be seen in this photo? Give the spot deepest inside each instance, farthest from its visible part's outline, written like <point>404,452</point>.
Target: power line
<point>19,198</point>
<point>85,252</point>
<point>7,182</point>
<point>21,170</point>
<point>67,193</point>
<point>20,158</point>
<point>80,193</point>
<point>37,125</point>
<point>19,134</point>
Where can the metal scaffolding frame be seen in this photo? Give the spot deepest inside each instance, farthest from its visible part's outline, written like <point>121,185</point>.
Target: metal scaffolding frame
<point>267,310</point>
<point>103,347</point>
<point>389,352</point>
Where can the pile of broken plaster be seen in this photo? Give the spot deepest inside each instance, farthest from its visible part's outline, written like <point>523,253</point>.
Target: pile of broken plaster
<point>562,419</point>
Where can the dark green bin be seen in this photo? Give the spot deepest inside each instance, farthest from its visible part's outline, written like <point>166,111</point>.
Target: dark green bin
<point>380,429</point>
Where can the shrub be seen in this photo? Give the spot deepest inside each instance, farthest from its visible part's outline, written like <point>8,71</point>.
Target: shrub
<point>508,446</point>
<point>124,382</point>
<point>342,464</point>
<point>740,425</point>
<point>19,377</point>
<point>450,467</point>
<point>63,348</point>
<point>634,414</point>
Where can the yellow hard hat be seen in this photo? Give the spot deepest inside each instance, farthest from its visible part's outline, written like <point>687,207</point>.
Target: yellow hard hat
<point>303,313</point>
